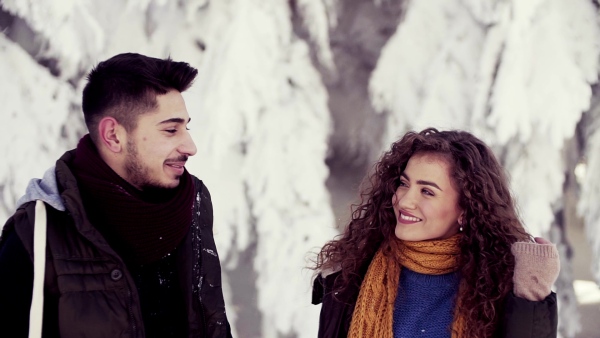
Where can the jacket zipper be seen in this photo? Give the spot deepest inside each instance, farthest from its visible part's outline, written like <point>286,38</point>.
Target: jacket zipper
<point>133,326</point>
<point>200,300</point>
<point>198,243</point>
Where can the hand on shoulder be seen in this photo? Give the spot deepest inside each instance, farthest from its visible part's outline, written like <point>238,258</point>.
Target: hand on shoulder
<point>536,268</point>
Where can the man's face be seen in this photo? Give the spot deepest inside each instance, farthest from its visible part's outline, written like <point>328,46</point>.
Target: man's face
<point>160,145</point>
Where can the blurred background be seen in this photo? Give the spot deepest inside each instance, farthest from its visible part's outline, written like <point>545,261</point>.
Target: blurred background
<point>295,101</point>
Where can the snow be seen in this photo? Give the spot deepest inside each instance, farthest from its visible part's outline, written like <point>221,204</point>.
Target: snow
<point>259,117</point>
<point>265,151</point>
<point>516,73</point>
<point>33,122</point>
<point>546,70</point>
<point>590,188</point>
<point>587,292</point>
<point>425,75</point>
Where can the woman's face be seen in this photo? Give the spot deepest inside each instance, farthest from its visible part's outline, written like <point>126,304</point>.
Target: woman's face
<point>426,202</point>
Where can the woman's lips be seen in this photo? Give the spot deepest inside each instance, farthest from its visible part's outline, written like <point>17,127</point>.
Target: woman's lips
<point>406,218</point>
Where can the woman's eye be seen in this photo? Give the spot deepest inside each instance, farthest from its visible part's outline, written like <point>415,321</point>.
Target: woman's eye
<point>403,184</point>
<point>428,192</point>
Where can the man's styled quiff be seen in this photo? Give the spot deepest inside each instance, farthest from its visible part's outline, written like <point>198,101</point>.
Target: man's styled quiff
<point>126,86</point>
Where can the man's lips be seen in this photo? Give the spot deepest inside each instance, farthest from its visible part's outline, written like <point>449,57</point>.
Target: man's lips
<point>178,167</point>
<point>176,164</point>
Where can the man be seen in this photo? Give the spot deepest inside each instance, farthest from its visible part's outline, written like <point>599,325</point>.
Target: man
<point>129,250</point>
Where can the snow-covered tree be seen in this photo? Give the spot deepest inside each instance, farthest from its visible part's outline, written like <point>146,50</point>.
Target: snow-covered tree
<point>285,85</point>
<point>516,73</point>
<point>588,170</point>
<point>260,121</point>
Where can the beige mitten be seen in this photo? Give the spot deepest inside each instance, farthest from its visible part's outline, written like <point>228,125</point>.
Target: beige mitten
<point>536,269</point>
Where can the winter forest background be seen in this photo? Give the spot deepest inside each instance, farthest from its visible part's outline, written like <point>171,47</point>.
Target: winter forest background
<point>296,99</point>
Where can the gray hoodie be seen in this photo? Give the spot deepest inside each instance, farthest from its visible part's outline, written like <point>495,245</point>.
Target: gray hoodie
<point>44,189</point>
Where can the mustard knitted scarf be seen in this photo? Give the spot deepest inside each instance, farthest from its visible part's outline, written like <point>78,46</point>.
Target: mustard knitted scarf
<point>374,309</point>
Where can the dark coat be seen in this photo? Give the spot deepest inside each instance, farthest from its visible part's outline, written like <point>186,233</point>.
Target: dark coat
<point>522,318</point>
<point>89,291</point>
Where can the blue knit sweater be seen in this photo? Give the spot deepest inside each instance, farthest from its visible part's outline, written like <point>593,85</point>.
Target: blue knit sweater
<point>425,304</point>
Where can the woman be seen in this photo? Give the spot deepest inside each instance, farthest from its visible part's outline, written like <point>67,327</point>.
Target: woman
<point>436,249</point>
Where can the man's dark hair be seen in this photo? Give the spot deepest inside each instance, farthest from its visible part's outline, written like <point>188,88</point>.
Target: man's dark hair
<point>126,86</point>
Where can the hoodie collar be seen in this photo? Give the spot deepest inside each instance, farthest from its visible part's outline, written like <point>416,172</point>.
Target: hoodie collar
<point>45,189</point>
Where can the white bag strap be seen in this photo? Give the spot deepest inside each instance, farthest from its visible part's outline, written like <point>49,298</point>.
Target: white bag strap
<point>39,270</point>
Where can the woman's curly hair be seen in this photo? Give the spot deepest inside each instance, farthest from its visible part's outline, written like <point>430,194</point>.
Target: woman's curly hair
<point>491,223</point>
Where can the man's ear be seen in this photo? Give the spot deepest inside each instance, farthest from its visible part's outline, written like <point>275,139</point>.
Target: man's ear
<point>110,134</point>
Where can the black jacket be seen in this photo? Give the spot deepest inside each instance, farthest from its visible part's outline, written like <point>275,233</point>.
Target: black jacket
<point>89,292</point>
<point>522,318</point>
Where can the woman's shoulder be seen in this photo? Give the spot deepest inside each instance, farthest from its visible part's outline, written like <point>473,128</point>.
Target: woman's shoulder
<point>323,281</point>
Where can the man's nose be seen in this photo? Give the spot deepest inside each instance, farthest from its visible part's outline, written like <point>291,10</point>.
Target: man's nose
<point>188,147</point>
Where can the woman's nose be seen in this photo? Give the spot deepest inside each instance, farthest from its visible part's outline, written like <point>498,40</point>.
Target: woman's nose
<point>406,200</point>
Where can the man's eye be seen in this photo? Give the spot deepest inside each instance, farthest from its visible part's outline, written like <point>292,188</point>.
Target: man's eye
<point>172,131</point>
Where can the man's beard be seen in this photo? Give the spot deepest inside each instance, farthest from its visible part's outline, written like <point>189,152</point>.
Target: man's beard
<point>139,175</point>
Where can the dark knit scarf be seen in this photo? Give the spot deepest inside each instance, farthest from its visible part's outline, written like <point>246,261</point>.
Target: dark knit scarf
<point>142,226</point>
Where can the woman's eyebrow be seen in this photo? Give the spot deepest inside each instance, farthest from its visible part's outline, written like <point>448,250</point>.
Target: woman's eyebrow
<point>422,182</point>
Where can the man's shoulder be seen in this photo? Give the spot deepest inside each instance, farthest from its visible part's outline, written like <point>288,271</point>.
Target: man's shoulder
<point>23,219</point>
<point>23,216</point>
<point>20,223</point>
<point>201,187</point>
<point>196,180</point>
